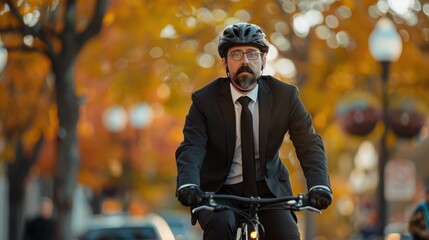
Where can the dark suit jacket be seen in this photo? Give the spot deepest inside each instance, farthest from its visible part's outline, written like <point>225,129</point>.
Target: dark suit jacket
<point>205,155</point>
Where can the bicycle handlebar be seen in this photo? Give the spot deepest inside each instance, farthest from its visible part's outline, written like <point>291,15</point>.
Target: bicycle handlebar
<point>294,203</point>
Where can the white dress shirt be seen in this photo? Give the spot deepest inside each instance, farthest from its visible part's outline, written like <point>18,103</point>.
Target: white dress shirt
<point>236,173</point>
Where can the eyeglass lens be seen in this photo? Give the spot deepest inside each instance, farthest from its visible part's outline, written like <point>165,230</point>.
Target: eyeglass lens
<point>238,55</point>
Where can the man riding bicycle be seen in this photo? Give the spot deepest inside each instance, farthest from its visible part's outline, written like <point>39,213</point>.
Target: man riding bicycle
<point>232,137</point>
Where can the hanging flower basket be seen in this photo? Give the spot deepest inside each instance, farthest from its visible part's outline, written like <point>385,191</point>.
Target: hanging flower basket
<point>407,117</point>
<point>358,113</point>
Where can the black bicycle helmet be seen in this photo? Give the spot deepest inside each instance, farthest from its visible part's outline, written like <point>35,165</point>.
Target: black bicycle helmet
<point>242,34</point>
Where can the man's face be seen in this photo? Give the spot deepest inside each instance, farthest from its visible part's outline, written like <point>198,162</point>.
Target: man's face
<point>46,209</point>
<point>244,72</point>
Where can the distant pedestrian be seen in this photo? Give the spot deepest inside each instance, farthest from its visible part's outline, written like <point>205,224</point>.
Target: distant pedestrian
<point>42,226</point>
<point>419,221</point>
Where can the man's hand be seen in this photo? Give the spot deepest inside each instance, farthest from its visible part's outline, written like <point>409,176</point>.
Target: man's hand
<point>189,196</point>
<point>320,198</point>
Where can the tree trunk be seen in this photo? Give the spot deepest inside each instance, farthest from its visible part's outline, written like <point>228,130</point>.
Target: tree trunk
<point>68,149</point>
<point>16,208</point>
<point>62,49</point>
<point>68,105</point>
<point>17,173</point>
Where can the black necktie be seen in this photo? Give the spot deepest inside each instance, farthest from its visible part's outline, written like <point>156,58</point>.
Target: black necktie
<point>247,149</point>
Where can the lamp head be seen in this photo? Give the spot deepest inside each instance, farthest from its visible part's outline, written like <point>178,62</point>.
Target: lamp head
<point>385,44</point>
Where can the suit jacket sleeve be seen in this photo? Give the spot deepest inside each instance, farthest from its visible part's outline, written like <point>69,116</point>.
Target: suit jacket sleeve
<point>191,152</point>
<point>308,144</point>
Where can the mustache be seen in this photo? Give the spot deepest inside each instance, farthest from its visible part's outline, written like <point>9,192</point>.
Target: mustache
<point>245,69</point>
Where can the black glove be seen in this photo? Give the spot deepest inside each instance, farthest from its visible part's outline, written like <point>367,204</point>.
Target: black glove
<point>320,198</point>
<point>189,196</point>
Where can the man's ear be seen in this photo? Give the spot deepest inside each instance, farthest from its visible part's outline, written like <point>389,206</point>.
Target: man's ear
<point>264,61</point>
<point>225,65</point>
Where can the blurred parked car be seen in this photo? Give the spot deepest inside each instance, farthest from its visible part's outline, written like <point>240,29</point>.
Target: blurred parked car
<point>124,227</point>
<point>180,225</point>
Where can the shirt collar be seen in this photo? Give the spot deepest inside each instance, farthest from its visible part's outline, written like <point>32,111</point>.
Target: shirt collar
<point>252,94</point>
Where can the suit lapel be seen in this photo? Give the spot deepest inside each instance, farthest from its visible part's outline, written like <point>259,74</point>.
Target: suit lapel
<point>228,114</point>
<point>265,100</point>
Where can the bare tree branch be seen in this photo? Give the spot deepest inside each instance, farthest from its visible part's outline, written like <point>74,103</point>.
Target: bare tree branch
<point>69,21</point>
<point>23,48</point>
<point>10,30</point>
<point>95,25</point>
<point>36,31</point>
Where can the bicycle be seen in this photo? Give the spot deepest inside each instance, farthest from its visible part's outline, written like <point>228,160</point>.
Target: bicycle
<point>250,227</point>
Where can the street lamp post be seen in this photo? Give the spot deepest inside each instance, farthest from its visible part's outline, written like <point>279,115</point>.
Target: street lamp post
<point>3,56</point>
<point>116,118</point>
<point>385,46</point>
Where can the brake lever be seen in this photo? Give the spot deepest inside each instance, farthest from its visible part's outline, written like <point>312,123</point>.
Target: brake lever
<point>310,208</point>
<point>194,210</point>
<point>216,208</point>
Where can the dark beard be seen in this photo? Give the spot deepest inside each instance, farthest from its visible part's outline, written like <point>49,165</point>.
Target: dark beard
<point>245,81</point>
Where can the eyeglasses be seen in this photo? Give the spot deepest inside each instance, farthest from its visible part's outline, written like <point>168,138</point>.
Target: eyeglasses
<point>238,55</point>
